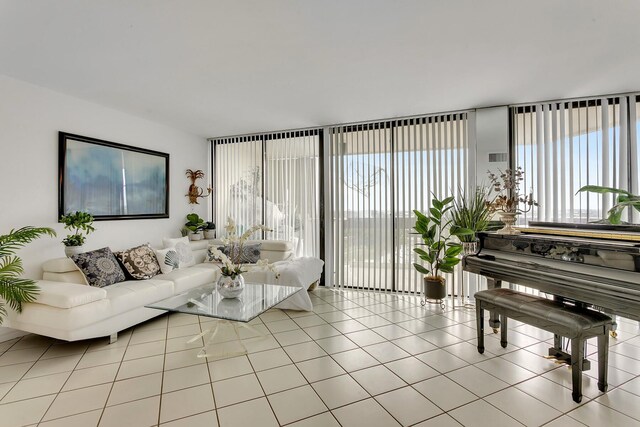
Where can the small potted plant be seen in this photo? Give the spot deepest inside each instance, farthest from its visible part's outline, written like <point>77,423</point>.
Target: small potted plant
<point>195,225</point>
<point>439,251</point>
<point>209,230</point>
<point>472,212</point>
<point>81,225</point>
<point>16,290</point>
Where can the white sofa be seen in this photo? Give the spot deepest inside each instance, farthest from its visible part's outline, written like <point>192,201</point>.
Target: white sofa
<point>68,309</point>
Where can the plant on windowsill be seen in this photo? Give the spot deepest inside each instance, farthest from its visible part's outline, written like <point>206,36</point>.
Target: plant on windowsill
<point>195,225</point>
<point>210,230</point>
<point>81,225</point>
<point>15,290</point>
<point>472,212</point>
<point>624,200</point>
<point>439,251</point>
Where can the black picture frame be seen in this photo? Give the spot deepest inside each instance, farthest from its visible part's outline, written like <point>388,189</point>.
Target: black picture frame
<point>69,185</point>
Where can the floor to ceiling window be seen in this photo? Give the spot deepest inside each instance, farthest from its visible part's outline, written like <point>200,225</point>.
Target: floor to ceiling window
<point>381,172</point>
<point>270,179</point>
<point>564,145</point>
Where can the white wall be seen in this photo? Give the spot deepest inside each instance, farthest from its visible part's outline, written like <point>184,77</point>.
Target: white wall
<point>492,136</point>
<point>30,118</point>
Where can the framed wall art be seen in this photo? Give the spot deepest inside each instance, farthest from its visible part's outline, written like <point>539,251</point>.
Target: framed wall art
<point>111,181</point>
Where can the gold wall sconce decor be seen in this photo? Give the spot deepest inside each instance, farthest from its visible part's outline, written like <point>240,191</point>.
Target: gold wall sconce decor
<point>196,192</point>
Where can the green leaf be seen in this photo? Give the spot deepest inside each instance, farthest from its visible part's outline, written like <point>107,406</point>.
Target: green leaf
<point>435,213</point>
<point>437,203</point>
<point>419,251</point>
<point>448,200</point>
<point>420,268</point>
<point>603,190</point>
<point>453,251</point>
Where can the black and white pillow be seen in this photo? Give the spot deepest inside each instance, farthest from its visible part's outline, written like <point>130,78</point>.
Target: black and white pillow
<point>168,259</point>
<point>249,253</point>
<point>140,262</point>
<point>183,248</point>
<point>99,267</point>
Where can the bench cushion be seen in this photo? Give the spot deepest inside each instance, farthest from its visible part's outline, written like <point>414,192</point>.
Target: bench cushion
<point>555,313</point>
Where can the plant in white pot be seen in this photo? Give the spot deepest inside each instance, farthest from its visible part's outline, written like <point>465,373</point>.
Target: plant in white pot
<point>472,211</point>
<point>195,225</point>
<point>15,290</point>
<point>439,250</point>
<point>81,225</point>
<point>209,230</point>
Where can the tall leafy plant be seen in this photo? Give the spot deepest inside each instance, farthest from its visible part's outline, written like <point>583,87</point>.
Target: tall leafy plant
<point>15,290</point>
<point>439,250</point>
<point>624,199</point>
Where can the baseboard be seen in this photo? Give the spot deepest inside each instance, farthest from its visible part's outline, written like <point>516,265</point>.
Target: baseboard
<point>7,334</point>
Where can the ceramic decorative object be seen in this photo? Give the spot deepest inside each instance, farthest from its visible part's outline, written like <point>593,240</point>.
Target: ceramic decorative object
<point>229,287</point>
<point>195,236</point>
<point>70,251</point>
<point>209,234</point>
<point>509,220</point>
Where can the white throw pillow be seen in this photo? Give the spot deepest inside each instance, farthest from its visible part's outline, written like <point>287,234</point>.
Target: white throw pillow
<point>168,259</point>
<point>182,246</point>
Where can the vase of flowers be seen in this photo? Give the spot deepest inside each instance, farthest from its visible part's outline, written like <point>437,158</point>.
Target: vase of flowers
<point>231,282</point>
<point>507,204</point>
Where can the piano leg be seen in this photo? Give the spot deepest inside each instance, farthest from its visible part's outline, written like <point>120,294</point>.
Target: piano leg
<point>494,318</point>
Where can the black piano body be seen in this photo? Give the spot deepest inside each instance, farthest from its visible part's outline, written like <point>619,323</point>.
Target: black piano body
<point>600,272</point>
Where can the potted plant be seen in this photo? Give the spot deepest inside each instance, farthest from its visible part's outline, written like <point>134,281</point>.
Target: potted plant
<point>15,290</point>
<point>81,225</point>
<point>472,212</point>
<point>209,230</point>
<point>194,224</point>
<point>507,202</point>
<point>623,200</point>
<point>439,252</point>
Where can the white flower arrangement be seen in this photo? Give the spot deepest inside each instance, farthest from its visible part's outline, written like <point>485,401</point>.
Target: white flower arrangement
<point>231,265</point>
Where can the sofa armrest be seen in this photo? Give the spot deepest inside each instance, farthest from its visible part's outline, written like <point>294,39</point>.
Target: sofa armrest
<point>67,295</point>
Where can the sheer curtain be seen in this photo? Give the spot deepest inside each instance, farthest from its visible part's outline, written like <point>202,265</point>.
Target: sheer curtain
<point>564,145</point>
<point>380,172</point>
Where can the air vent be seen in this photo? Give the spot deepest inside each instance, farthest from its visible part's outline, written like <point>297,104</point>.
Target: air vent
<point>498,157</point>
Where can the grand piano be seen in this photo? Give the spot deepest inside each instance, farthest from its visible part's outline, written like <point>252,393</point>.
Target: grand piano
<point>592,267</point>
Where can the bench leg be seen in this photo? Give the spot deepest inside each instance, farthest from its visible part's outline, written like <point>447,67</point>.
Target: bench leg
<point>480,326</point>
<point>577,354</point>
<point>603,355</point>
<point>503,331</point>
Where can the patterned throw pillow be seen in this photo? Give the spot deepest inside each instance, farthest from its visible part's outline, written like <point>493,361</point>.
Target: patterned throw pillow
<point>140,262</point>
<point>250,253</point>
<point>183,248</point>
<point>168,259</point>
<point>99,267</point>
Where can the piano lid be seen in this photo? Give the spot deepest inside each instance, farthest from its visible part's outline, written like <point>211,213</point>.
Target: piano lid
<point>630,233</point>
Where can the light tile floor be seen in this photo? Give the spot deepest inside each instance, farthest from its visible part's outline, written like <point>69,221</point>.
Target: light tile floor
<point>362,358</point>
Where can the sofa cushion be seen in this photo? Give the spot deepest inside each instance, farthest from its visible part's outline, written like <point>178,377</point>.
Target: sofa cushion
<point>187,278</point>
<point>140,262</point>
<point>248,253</point>
<point>99,267</point>
<point>59,265</point>
<point>132,294</point>
<point>67,295</point>
<point>183,248</point>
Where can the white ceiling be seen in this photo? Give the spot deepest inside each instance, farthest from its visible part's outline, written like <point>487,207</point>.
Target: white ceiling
<point>218,68</point>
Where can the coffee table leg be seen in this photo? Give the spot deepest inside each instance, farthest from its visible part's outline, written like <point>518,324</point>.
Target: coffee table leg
<point>215,349</point>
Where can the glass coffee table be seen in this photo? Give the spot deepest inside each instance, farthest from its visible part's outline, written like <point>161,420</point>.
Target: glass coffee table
<point>233,314</point>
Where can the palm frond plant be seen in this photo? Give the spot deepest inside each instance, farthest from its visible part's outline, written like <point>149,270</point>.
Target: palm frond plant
<point>624,199</point>
<point>15,290</point>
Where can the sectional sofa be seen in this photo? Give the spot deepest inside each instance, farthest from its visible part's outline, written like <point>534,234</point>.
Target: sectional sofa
<point>68,309</point>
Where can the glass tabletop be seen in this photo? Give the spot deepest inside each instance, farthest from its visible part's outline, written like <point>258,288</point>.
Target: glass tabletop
<point>206,301</point>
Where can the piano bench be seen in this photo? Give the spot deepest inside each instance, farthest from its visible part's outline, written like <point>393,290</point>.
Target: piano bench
<point>575,323</point>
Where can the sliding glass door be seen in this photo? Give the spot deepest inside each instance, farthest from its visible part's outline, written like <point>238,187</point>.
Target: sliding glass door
<point>381,172</point>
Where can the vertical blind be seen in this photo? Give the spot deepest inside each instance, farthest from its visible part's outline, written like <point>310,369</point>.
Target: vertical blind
<point>380,172</point>
<point>270,179</point>
<point>564,145</point>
